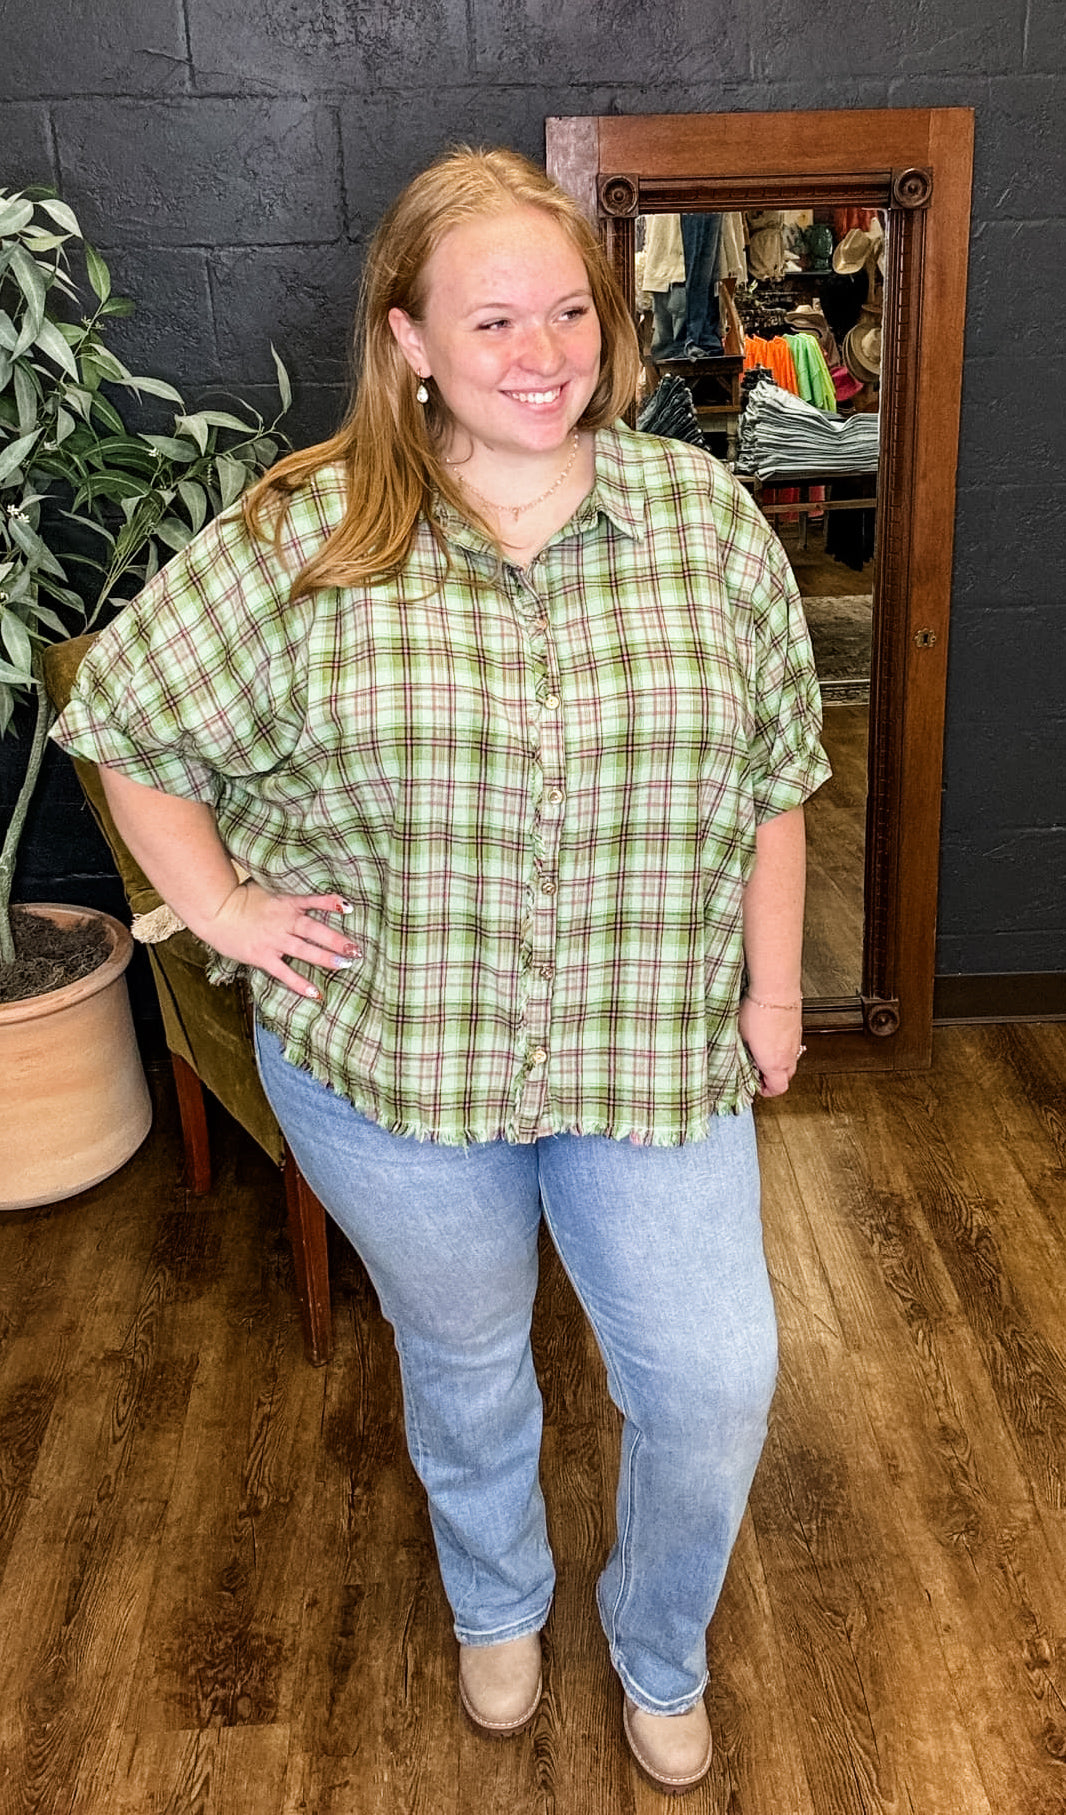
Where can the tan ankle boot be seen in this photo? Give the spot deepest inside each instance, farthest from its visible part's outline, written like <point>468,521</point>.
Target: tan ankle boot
<point>672,1750</point>
<point>500,1685</point>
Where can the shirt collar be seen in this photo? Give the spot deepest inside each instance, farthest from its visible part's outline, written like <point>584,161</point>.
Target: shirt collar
<point>618,493</point>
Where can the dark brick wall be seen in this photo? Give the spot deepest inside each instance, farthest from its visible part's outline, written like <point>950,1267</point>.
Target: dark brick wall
<point>231,160</point>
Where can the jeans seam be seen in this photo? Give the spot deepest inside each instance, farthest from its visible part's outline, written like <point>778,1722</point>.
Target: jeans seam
<point>621,1402</point>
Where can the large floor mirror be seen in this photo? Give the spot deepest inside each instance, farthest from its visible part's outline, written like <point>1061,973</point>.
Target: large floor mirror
<point>871,551</point>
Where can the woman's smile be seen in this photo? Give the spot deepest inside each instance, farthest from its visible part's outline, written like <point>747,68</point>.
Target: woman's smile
<point>509,334</point>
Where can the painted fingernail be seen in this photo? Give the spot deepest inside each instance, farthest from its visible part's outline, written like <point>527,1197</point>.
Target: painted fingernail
<point>346,907</point>
<point>313,994</point>
<point>345,964</point>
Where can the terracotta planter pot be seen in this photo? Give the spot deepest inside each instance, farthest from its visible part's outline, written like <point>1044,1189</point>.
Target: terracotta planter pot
<point>74,1103</point>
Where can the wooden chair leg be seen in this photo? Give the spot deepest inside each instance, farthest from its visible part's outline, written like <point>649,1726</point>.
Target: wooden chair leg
<point>193,1115</point>
<point>307,1233</point>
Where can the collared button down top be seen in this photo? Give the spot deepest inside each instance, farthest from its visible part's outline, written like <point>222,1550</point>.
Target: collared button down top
<point>539,787</point>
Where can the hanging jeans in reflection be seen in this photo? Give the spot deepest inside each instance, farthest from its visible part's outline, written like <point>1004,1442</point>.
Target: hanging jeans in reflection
<point>701,235</point>
<point>663,1246</point>
<point>670,307</point>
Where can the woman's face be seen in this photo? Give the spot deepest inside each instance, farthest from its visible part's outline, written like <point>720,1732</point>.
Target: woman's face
<point>509,333</point>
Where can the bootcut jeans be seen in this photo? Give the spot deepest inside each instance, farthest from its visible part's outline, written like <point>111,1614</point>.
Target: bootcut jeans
<point>664,1248</point>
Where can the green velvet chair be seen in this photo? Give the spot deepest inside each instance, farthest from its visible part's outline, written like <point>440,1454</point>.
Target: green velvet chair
<point>209,1035</point>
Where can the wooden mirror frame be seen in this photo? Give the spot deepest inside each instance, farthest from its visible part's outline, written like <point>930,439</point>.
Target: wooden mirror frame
<point>917,164</point>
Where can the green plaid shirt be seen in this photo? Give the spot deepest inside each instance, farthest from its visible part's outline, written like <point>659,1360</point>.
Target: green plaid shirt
<point>539,787</point>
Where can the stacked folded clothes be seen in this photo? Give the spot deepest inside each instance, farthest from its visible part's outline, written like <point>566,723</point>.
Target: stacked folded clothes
<point>781,436</point>
<point>671,413</point>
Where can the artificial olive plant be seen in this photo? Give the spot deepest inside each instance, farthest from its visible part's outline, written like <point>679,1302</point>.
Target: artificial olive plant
<point>89,507</point>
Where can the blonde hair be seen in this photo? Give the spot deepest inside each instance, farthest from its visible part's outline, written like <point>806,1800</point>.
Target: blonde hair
<point>388,442</point>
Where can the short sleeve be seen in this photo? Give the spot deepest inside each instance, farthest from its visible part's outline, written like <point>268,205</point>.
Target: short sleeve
<point>196,677</point>
<point>787,762</point>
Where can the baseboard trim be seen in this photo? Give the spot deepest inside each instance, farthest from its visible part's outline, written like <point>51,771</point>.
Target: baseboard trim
<point>1010,996</point>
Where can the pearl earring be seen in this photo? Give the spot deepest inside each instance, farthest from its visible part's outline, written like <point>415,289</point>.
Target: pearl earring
<point>422,394</point>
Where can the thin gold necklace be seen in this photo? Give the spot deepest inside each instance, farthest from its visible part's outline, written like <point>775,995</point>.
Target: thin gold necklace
<point>519,510</point>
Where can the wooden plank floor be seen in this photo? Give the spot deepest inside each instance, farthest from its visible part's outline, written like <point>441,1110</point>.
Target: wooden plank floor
<point>217,1589</point>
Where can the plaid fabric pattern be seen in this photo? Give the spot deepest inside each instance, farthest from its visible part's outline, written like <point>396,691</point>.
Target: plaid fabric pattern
<point>540,788</point>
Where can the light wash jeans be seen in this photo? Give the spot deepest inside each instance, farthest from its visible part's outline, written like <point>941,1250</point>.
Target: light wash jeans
<point>664,1249</point>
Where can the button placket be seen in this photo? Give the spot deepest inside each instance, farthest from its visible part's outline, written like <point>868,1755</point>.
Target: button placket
<point>548,798</point>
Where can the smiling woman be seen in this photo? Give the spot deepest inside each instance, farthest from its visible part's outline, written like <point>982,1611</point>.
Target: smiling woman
<point>508,715</point>
<point>510,338</point>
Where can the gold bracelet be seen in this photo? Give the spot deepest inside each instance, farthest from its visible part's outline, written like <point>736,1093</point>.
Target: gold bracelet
<point>783,1005</point>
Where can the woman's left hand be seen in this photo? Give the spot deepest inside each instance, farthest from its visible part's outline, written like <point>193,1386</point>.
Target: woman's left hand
<point>774,1038</point>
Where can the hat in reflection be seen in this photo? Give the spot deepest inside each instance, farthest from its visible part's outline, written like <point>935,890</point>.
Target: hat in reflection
<point>810,320</point>
<point>845,384</point>
<point>860,246</point>
<point>862,350</point>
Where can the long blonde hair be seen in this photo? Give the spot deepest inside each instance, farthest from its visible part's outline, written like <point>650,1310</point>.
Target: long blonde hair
<point>388,442</point>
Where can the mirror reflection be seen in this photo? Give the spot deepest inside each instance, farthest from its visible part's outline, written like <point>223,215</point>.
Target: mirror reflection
<point>761,336</point>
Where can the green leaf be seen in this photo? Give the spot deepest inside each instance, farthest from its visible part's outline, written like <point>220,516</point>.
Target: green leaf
<point>113,486</point>
<point>107,364</point>
<point>232,479</point>
<point>79,400</point>
<point>117,305</point>
<point>174,533</point>
<point>65,425</point>
<point>8,332</point>
<point>37,242</point>
<point>50,619</point>
<point>108,414</point>
<point>196,426</point>
<point>27,396</point>
<point>22,586</point>
<point>7,707</point>
<point>17,642</point>
<point>284,387</point>
<point>151,565</point>
<point>31,283</point>
<point>62,215</point>
<point>194,499</point>
<point>220,419</point>
<point>51,342</point>
<point>99,275</point>
<point>13,455</point>
<point>154,387</point>
<point>183,451</point>
<point>15,214</point>
<point>33,548</point>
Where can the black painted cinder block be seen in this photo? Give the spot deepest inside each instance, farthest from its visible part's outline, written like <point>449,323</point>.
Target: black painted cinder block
<point>1020,149</point>
<point>26,154</point>
<point>937,38</point>
<point>379,160</point>
<point>305,305</point>
<point>677,44</point>
<point>67,47</point>
<point>1010,539</point>
<point>1045,39</point>
<point>171,333</point>
<point>1003,909</point>
<point>1015,288</point>
<point>210,172</point>
<point>333,45</point>
<point>1005,433</point>
<point>986,794</point>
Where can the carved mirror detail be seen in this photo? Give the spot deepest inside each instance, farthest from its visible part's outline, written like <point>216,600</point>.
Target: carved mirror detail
<point>914,168</point>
